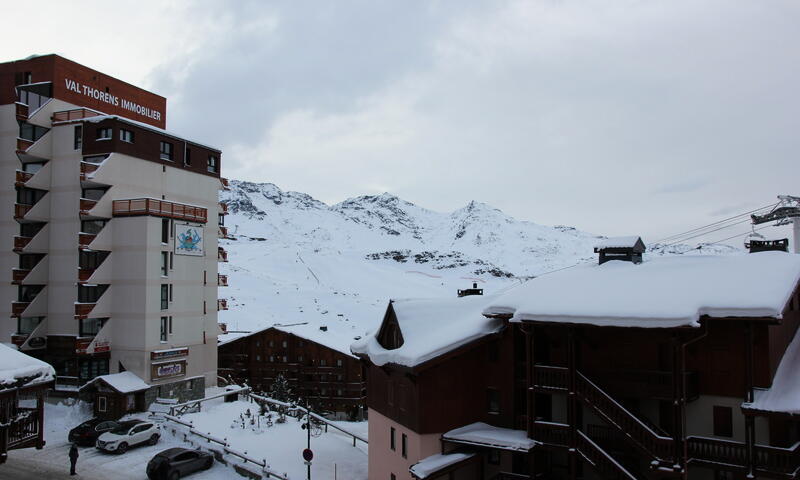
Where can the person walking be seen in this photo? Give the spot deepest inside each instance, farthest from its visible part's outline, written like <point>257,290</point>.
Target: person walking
<point>73,458</point>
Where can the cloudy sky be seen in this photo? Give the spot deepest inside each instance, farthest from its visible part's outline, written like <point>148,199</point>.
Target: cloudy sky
<point>617,117</point>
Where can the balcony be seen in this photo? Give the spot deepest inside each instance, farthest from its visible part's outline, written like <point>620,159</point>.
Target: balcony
<point>87,205</point>
<point>18,339</point>
<point>18,307</point>
<point>84,239</point>
<point>76,114</point>
<point>21,242</point>
<point>772,462</point>
<point>222,304</point>
<point>88,168</point>
<point>22,112</point>
<point>22,178</point>
<point>20,210</point>
<point>159,208</point>
<point>225,184</point>
<point>82,310</point>
<point>223,232</point>
<point>23,144</point>
<point>18,275</point>
<point>84,274</point>
<point>222,280</point>
<point>646,383</point>
<point>223,208</point>
<point>550,379</point>
<point>222,255</point>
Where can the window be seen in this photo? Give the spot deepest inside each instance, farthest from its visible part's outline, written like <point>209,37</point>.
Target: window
<point>78,137</point>
<point>28,292</point>
<point>323,392</point>
<point>166,151</point>
<point>299,359</point>
<point>284,344</point>
<point>164,230</point>
<point>31,132</point>
<point>90,259</point>
<point>323,362</point>
<point>213,164</point>
<point>104,133</point>
<point>102,404</point>
<point>90,327</point>
<point>284,359</point>
<point>93,193</point>
<point>271,344</point>
<point>92,227</point>
<point>164,328</point>
<point>404,446</point>
<point>392,442</point>
<point>339,378</point>
<point>90,293</point>
<point>492,400</point>
<point>339,362</point>
<point>258,358</point>
<point>164,296</point>
<point>172,263</point>
<point>170,324</point>
<point>164,263</point>
<point>170,292</point>
<point>339,392</point>
<point>29,196</point>
<point>187,159</point>
<point>26,325</point>
<point>723,421</point>
<point>126,135</point>
<point>272,359</point>
<point>32,167</point>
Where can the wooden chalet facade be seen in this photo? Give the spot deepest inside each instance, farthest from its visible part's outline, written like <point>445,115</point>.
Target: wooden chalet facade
<point>22,391</point>
<point>600,399</point>
<point>331,381</point>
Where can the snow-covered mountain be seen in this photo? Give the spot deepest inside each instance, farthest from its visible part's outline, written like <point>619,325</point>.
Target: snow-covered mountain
<point>294,260</point>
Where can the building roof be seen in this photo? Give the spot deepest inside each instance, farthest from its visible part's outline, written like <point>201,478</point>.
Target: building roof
<point>619,242</point>
<point>435,463</point>
<point>430,328</point>
<point>123,382</point>
<point>20,370</point>
<point>486,435</point>
<point>784,394</point>
<point>660,292</point>
<point>335,337</point>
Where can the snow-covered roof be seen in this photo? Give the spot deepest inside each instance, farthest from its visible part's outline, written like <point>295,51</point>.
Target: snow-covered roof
<point>486,435</point>
<point>784,394</point>
<point>430,465</point>
<point>430,328</point>
<point>660,292</point>
<point>123,382</point>
<point>617,242</point>
<point>338,339</point>
<point>20,370</point>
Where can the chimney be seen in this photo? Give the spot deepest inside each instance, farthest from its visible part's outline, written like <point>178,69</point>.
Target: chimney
<point>471,291</point>
<point>768,245</point>
<point>629,249</point>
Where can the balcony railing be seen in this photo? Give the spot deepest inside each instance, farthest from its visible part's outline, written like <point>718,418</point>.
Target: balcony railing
<point>23,144</point>
<point>550,378</point>
<point>18,307</point>
<point>20,210</point>
<point>25,429</point>
<point>22,111</point>
<point>18,275</point>
<point>222,304</point>
<point>21,242</point>
<point>159,208</point>
<point>223,208</point>
<point>87,168</point>
<point>222,255</point>
<point>223,232</point>
<point>225,184</point>
<point>86,205</point>
<point>222,280</point>
<point>18,339</point>
<point>552,434</point>
<point>75,114</point>
<point>773,461</point>
<point>82,310</point>
<point>84,274</point>
<point>22,177</point>
<point>84,239</point>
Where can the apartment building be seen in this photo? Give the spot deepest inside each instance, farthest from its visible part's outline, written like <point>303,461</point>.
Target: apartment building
<point>633,368</point>
<point>111,229</point>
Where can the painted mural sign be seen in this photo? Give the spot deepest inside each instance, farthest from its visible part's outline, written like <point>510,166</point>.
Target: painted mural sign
<point>188,240</point>
<point>166,370</point>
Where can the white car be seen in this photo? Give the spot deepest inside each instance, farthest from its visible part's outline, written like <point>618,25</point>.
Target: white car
<point>129,433</point>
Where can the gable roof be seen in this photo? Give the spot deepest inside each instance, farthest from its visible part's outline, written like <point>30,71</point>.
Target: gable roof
<point>19,370</point>
<point>660,292</point>
<point>430,328</point>
<point>123,382</point>
<point>336,337</point>
<point>634,242</point>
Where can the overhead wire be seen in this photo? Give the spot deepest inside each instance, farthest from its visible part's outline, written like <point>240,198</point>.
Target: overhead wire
<point>719,222</point>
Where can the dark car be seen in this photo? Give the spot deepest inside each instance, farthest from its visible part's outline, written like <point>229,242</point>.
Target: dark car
<point>173,463</point>
<point>87,432</point>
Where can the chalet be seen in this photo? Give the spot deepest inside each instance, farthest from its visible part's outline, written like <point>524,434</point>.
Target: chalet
<point>675,367</point>
<point>24,381</point>
<point>311,358</point>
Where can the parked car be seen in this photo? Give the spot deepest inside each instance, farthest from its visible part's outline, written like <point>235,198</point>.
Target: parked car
<point>87,432</point>
<point>129,433</point>
<point>173,463</point>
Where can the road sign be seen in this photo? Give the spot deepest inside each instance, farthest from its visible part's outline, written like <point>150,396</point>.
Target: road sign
<point>308,455</point>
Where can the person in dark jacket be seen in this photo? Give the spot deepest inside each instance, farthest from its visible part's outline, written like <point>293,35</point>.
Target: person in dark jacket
<point>73,458</point>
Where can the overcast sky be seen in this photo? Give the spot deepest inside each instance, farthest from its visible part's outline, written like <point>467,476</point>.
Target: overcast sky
<point>617,117</point>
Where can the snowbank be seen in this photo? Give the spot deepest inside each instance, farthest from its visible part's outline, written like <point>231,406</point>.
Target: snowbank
<point>16,367</point>
<point>660,292</point>
<point>430,328</point>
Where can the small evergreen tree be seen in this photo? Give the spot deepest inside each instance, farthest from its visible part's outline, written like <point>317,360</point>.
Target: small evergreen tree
<point>280,389</point>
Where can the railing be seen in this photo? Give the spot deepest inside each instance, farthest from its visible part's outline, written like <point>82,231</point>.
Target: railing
<point>602,462</point>
<point>84,239</point>
<point>222,304</point>
<point>771,460</point>
<point>550,378</point>
<point>22,177</point>
<point>224,207</point>
<point>159,208</point>
<point>225,184</point>
<point>614,414</point>
<point>21,242</point>
<point>222,255</point>
<point>18,339</point>
<point>778,460</point>
<point>550,433</point>
<point>24,429</point>
<point>222,280</point>
<point>65,381</point>
<point>20,210</point>
<point>18,275</point>
<point>84,274</point>
<point>23,144</point>
<point>86,205</point>
<point>18,307</point>
<point>223,232</point>
<point>75,114</point>
<point>647,383</point>
<point>82,310</point>
<point>87,168</point>
<point>22,111</point>
<point>607,437</point>
<point>510,476</point>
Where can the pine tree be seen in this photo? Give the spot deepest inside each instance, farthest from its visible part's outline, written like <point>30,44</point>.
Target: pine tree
<point>280,389</point>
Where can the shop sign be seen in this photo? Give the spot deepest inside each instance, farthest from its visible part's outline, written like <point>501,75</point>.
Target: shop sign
<point>189,240</point>
<point>168,354</point>
<point>106,97</point>
<point>168,370</point>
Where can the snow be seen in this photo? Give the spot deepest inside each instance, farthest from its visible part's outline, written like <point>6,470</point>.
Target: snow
<point>486,435</point>
<point>123,382</point>
<point>660,292</point>
<point>430,465</point>
<point>617,242</point>
<point>16,366</point>
<point>784,394</point>
<point>430,328</point>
